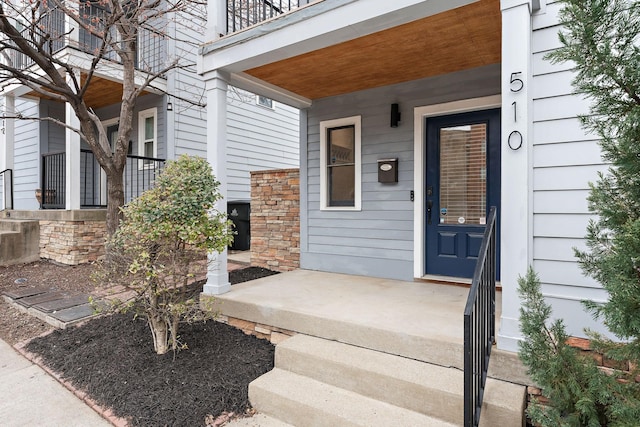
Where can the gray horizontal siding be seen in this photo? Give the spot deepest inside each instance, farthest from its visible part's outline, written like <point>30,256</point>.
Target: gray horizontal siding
<point>26,156</point>
<point>565,159</point>
<point>258,138</point>
<point>378,240</point>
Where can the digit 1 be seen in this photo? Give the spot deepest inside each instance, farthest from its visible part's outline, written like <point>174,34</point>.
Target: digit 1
<point>515,112</point>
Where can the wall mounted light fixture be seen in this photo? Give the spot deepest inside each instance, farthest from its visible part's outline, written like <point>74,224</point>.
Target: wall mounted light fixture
<point>169,106</point>
<point>395,115</point>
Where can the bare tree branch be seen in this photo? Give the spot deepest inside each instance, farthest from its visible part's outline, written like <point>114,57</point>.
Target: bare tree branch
<point>37,52</point>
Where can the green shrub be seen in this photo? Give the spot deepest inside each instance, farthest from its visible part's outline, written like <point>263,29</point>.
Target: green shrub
<point>162,241</point>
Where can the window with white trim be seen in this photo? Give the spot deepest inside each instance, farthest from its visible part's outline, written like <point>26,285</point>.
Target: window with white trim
<point>340,164</point>
<point>148,134</point>
<point>263,101</point>
<point>111,128</point>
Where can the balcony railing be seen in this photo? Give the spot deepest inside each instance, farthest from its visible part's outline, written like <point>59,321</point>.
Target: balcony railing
<point>245,13</point>
<point>151,45</point>
<point>480,324</point>
<point>139,175</point>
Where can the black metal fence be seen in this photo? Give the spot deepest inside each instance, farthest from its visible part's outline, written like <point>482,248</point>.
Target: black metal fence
<point>139,175</point>
<point>480,324</point>
<point>245,13</point>
<point>6,189</point>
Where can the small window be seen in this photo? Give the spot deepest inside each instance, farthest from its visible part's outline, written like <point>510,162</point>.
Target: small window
<point>148,135</point>
<point>340,164</point>
<point>111,128</point>
<point>264,101</point>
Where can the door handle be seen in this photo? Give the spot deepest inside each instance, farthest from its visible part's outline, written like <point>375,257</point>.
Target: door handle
<point>429,209</point>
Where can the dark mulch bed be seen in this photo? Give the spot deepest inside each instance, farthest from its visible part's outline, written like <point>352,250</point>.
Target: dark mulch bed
<point>112,359</point>
<point>249,273</point>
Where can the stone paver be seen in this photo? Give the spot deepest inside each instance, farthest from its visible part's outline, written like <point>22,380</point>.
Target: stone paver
<point>74,313</point>
<point>24,292</point>
<point>62,309</point>
<point>60,304</point>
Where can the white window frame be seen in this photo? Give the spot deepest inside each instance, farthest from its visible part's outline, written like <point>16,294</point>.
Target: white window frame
<point>106,124</point>
<point>260,104</point>
<point>356,122</point>
<point>142,116</point>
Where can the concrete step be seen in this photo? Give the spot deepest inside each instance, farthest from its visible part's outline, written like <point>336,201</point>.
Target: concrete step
<point>421,321</point>
<point>422,387</point>
<point>258,420</point>
<point>19,241</point>
<point>302,401</point>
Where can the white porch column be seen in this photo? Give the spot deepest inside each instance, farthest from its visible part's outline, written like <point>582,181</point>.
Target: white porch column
<point>216,20</point>
<point>72,160</point>
<point>7,145</point>
<point>216,84</point>
<point>516,204</point>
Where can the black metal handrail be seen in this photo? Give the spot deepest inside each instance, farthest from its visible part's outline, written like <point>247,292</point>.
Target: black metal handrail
<point>245,13</point>
<point>480,324</point>
<point>6,189</point>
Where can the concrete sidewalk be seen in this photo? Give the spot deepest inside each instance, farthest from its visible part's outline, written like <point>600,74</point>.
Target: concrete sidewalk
<point>30,397</point>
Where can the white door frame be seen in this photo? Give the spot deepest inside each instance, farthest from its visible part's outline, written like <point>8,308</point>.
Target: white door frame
<point>419,146</point>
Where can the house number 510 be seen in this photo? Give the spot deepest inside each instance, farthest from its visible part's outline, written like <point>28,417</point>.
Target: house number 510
<point>516,84</point>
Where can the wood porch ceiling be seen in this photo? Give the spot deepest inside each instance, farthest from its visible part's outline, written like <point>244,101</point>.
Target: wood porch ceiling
<point>459,39</point>
<point>101,93</point>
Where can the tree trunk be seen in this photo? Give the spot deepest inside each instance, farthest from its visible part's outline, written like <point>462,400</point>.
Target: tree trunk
<point>115,199</point>
<point>160,333</point>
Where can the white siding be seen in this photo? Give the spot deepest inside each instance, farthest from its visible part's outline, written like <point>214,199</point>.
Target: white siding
<point>565,159</point>
<point>258,138</point>
<point>27,156</point>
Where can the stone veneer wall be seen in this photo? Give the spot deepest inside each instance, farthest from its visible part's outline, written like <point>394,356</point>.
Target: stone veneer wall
<point>275,219</point>
<point>72,242</point>
<point>68,237</point>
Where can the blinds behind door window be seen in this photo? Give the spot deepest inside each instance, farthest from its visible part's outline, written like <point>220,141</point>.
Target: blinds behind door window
<point>463,174</point>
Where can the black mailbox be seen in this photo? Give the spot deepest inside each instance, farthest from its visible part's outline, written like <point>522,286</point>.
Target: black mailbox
<point>388,170</point>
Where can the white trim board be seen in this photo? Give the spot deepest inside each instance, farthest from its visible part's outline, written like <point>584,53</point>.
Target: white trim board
<point>419,138</point>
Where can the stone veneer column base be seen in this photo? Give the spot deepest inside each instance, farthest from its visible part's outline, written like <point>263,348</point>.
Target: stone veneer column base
<point>273,334</point>
<point>275,219</point>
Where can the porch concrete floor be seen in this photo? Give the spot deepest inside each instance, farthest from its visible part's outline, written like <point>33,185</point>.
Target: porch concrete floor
<point>419,320</point>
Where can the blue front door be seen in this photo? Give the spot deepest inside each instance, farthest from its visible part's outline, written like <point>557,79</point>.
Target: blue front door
<point>462,183</point>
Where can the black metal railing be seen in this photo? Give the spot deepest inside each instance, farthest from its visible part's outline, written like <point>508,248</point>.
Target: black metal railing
<point>50,28</point>
<point>245,13</point>
<point>480,324</point>
<point>139,175</point>
<point>6,189</point>
<point>53,186</point>
<point>151,43</point>
<point>92,181</point>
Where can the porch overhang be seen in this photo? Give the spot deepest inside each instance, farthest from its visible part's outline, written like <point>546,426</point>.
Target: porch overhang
<point>105,88</point>
<point>330,48</point>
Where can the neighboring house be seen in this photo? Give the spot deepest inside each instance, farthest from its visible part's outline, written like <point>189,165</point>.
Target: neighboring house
<point>41,154</point>
<point>459,93</point>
